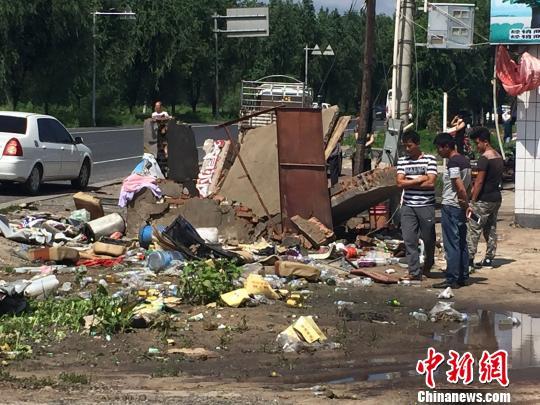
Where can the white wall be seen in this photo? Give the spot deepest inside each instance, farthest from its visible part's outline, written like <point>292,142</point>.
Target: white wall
<point>527,195</point>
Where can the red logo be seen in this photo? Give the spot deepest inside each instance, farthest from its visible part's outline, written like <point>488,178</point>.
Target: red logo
<point>461,368</point>
<point>429,365</point>
<point>494,367</point>
<point>491,367</point>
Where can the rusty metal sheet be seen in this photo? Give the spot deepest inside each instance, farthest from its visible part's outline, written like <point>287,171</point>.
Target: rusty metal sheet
<point>302,169</point>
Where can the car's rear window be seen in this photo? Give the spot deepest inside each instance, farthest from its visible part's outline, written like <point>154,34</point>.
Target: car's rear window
<point>13,125</point>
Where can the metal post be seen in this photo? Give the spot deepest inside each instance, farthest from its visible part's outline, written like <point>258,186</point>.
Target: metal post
<point>217,64</point>
<point>394,104</point>
<point>405,59</point>
<point>306,49</point>
<point>94,70</point>
<point>445,112</point>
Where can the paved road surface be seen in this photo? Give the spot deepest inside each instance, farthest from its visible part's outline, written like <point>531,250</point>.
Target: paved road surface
<point>116,151</point>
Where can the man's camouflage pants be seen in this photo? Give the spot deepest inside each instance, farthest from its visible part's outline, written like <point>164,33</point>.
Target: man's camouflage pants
<point>487,211</point>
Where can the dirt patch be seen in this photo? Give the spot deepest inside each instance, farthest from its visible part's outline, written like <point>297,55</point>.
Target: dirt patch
<point>380,345</point>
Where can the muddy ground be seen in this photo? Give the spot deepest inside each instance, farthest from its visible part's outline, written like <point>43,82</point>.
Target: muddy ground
<point>380,345</point>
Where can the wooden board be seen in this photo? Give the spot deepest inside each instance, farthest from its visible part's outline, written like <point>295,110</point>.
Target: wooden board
<point>341,125</point>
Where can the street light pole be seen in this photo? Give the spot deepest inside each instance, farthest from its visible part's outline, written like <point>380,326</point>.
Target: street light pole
<point>306,49</point>
<point>128,14</point>
<point>217,64</point>
<point>94,69</point>
<point>315,51</point>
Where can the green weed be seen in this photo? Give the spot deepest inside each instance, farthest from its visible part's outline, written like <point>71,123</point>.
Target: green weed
<point>52,320</point>
<point>74,379</point>
<point>201,282</point>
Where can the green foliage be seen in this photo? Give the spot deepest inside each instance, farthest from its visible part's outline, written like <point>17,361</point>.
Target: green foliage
<point>52,320</point>
<point>167,53</point>
<point>203,282</point>
<point>74,379</point>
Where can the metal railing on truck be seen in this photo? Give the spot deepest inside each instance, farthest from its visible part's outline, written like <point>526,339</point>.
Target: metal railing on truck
<point>268,92</point>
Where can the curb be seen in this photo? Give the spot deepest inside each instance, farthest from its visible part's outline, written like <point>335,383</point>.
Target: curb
<point>29,200</point>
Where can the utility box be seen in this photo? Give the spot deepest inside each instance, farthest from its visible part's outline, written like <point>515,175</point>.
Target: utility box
<point>450,25</point>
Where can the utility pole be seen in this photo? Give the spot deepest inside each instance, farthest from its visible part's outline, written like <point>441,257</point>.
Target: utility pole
<point>365,99</point>
<point>401,85</point>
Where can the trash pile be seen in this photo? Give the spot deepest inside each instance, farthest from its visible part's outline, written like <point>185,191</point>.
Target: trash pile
<point>241,235</point>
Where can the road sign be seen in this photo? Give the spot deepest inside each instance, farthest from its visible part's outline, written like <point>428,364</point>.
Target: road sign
<point>247,22</point>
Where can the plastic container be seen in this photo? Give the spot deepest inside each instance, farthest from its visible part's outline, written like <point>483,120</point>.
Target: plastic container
<point>160,260</point>
<point>105,226</point>
<point>42,286</point>
<point>419,316</point>
<point>379,216</point>
<point>146,235</point>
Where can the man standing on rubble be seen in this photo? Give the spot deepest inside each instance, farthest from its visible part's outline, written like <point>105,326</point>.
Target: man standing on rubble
<point>455,202</point>
<point>416,175</point>
<point>486,198</point>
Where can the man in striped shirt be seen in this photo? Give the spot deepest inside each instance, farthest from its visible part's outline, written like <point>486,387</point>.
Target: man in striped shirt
<point>416,175</point>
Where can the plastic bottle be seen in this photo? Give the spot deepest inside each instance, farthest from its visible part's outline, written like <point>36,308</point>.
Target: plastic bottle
<point>42,286</point>
<point>367,282</point>
<point>343,303</point>
<point>419,316</point>
<point>160,260</point>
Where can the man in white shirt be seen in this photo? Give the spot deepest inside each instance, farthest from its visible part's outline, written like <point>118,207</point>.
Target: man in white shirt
<point>158,113</point>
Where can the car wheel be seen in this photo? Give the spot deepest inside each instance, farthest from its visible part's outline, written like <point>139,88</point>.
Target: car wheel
<point>81,182</point>
<point>33,182</point>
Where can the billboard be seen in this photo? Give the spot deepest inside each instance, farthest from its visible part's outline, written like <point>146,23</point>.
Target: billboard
<point>515,22</point>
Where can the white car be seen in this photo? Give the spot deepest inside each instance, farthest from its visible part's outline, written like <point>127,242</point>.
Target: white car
<point>37,148</point>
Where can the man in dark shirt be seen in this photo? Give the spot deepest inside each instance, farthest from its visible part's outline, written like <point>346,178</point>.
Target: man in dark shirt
<point>455,201</point>
<point>485,199</point>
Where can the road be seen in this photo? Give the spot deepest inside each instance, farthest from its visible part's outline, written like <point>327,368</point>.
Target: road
<point>116,151</point>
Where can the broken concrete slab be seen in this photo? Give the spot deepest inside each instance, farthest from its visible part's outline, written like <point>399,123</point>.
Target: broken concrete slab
<point>315,232</point>
<point>329,118</point>
<point>150,136</point>
<point>170,188</point>
<point>357,194</point>
<point>259,153</point>
<point>207,213</point>
<point>140,209</point>
<point>183,158</point>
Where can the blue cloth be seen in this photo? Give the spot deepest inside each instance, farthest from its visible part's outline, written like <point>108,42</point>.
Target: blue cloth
<point>454,230</point>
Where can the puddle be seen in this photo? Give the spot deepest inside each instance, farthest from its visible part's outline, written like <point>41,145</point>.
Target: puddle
<point>517,333</point>
<point>487,330</point>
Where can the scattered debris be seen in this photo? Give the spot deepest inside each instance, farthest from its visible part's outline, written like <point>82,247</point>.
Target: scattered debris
<point>446,294</point>
<point>444,311</point>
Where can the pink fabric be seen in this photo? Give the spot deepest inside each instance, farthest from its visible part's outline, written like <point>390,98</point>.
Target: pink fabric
<point>519,77</point>
<point>134,183</point>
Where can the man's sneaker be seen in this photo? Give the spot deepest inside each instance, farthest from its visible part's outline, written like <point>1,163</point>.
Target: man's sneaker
<point>446,284</point>
<point>486,263</point>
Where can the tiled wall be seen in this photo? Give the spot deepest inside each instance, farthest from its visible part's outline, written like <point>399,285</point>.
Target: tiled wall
<point>527,195</point>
